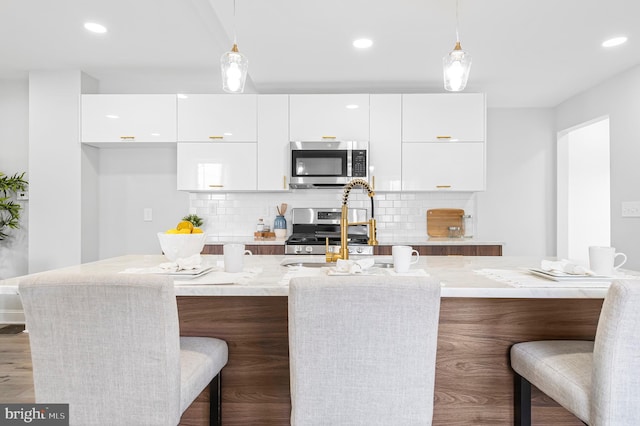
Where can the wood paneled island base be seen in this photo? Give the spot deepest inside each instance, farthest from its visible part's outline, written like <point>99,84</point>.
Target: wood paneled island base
<point>474,382</point>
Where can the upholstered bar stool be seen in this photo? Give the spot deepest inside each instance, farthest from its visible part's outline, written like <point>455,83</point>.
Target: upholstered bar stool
<point>599,382</point>
<point>362,350</point>
<point>110,347</point>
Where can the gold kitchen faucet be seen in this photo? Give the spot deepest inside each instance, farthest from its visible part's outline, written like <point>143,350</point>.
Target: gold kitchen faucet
<point>343,253</point>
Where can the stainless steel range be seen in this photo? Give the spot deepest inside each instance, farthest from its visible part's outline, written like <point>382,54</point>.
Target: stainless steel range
<point>312,227</point>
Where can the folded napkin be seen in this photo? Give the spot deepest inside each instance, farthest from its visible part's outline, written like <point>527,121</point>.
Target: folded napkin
<point>353,266</point>
<point>183,264</point>
<point>565,266</point>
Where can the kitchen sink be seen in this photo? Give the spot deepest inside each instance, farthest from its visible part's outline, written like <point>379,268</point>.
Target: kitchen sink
<point>311,264</point>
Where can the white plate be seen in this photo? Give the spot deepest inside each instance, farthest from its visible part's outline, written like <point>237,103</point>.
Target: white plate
<point>189,273</point>
<point>563,276</point>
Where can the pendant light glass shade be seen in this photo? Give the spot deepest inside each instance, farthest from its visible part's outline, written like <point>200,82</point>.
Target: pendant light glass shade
<point>233,67</point>
<point>456,66</point>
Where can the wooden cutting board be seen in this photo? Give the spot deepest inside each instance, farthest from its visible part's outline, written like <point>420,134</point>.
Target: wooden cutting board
<point>439,221</point>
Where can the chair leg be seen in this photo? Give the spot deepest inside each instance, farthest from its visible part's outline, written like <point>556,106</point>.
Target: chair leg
<point>522,401</point>
<point>215,401</point>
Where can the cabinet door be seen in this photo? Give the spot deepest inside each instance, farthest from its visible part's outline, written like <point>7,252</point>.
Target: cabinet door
<point>128,118</point>
<point>221,166</point>
<point>273,142</point>
<point>385,147</point>
<point>328,117</point>
<point>225,118</point>
<point>433,117</point>
<point>433,166</point>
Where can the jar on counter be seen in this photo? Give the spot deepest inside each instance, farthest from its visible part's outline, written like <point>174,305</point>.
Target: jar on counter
<point>455,232</point>
<point>467,226</point>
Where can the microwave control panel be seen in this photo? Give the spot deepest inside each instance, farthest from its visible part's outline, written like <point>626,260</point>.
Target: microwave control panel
<point>359,163</point>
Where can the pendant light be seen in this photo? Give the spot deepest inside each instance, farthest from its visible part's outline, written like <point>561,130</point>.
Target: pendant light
<point>234,65</point>
<point>456,65</point>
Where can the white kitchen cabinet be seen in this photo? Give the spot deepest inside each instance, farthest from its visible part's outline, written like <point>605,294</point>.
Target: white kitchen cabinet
<point>107,118</point>
<point>445,166</point>
<point>385,146</point>
<point>273,142</point>
<point>217,166</point>
<point>228,118</point>
<point>443,116</point>
<point>342,117</point>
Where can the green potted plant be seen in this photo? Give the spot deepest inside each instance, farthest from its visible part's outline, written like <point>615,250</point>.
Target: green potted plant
<point>10,210</point>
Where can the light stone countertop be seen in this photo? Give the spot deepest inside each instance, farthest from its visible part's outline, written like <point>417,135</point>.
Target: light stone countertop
<point>265,276</point>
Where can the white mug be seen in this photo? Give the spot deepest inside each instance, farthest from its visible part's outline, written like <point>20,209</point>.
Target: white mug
<point>234,257</point>
<point>402,258</point>
<point>602,260</point>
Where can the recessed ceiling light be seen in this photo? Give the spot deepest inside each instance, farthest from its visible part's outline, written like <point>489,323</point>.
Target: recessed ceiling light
<point>362,43</point>
<point>95,28</point>
<point>352,106</point>
<point>616,41</point>
<point>111,116</point>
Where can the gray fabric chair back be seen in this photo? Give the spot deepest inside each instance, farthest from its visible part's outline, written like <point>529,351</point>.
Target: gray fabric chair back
<point>107,345</point>
<point>615,380</point>
<point>363,350</point>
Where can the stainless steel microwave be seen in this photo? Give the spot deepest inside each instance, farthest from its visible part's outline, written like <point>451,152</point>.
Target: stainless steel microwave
<point>327,164</point>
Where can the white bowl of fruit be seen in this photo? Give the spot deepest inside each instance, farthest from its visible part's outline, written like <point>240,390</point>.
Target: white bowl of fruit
<point>183,241</point>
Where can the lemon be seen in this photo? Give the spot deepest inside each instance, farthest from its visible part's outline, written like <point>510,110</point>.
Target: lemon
<point>183,231</point>
<point>185,224</point>
<point>196,231</point>
<point>172,231</point>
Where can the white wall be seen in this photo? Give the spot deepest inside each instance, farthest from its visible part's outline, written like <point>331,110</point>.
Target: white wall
<point>14,158</point>
<point>130,180</point>
<point>518,207</point>
<point>619,98</point>
<point>54,170</point>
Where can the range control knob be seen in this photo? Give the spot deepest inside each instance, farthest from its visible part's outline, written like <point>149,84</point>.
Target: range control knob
<point>308,249</point>
<point>297,249</point>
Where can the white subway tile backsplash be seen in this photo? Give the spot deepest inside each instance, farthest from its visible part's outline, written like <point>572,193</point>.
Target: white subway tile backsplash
<point>397,214</point>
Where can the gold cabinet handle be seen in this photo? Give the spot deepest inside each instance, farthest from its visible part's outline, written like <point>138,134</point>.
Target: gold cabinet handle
<point>284,182</point>
<point>216,186</point>
<point>127,138</point>
<point>373,182</point>
<point>443,186</point>
<point>443,137</point>
<point>328,137</point>
<point>216,137</point>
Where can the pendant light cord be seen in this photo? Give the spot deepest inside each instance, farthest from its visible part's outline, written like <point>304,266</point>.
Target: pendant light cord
<point>457,22</point>
<point>235,41</point>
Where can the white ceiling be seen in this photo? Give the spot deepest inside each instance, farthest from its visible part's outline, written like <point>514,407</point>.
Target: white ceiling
<point>525,53</point>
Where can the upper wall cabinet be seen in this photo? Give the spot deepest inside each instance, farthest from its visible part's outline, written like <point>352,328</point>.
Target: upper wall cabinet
<point>222,166</point>
<point>443,116</point>
<point>273,142</point>
<point>437,166</point>
<point>228,118</point>
<point>385,146</point>
<point>128,118</point>
<point>329,117</point>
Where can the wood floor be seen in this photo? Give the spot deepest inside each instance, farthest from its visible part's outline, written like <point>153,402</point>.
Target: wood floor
<point>16,379</point>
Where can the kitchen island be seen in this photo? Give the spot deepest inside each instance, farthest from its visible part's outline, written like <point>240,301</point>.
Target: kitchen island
<point>482,315</point>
